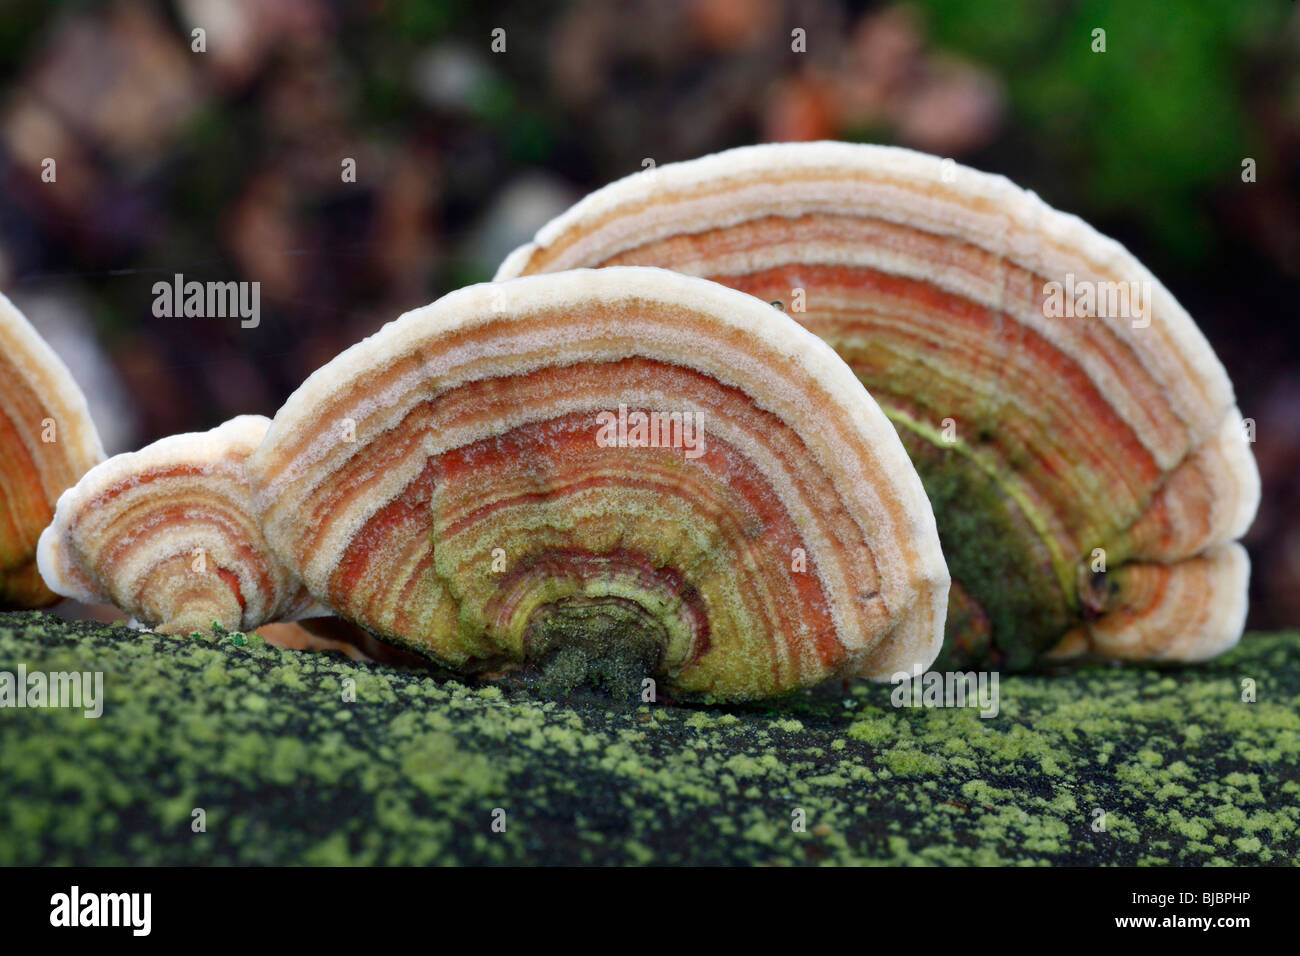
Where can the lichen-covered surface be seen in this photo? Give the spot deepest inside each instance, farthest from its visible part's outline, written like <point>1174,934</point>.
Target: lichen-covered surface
<point>411,772</point>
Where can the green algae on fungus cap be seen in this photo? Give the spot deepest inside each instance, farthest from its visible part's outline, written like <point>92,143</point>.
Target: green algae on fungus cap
<point>627,464</point>
<point>1077,436</point>
<point>167,534</point>
<point>47,442</point>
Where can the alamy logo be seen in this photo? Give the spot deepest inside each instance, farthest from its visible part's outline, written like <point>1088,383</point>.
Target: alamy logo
<point>102,909</point>
<point>652,430</point>
<point>1084,299</point>
<point>80,690</point>
<point>208,300</point>
<point>951,689</point>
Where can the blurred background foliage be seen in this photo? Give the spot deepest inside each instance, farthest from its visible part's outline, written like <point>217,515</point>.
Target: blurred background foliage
<point>225,164</point>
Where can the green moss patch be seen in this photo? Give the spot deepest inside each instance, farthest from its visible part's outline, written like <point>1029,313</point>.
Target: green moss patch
<point>995,557</point>
<point>316,759</point>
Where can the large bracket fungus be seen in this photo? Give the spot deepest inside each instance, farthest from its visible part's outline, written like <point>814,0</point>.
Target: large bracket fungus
<point>168,534</point>
<point>47,441</point>
<point>1076,434</point>
<point>623,463</point>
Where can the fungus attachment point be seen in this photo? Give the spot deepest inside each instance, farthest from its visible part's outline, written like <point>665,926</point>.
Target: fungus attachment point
<point>168,535</point>
<point>605,474</point>
<point>1093,414</point>
<point>47,442</point>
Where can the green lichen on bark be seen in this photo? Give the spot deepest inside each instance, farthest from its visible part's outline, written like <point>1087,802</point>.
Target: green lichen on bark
<point>287,771</point>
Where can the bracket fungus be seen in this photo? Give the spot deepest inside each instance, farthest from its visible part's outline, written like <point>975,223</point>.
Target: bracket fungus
<point>479,482</point>
<point>1077,435</point>
<point>47,442</point>
<point>168,534</point>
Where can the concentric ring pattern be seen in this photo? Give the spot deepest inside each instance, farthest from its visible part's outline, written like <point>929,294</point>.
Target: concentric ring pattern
<point>614,458</point>
<point>1076,434</point>
<point>47,442</point>
<point>168,534</point>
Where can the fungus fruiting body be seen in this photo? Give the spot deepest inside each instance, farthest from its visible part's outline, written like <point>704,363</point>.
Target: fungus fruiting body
<point>47,442</point>
<point>617,470</point>
<point>1077,436</point>
<point>168,534</point>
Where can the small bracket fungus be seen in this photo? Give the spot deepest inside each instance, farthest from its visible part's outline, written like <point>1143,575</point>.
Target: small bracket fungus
<point>47,442</point>
<point>167,534</point>
<point>1093,412</point>
<point>646,450</point>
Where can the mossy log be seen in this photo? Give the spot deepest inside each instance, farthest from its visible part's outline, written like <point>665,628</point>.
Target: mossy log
<point>419,767</point>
